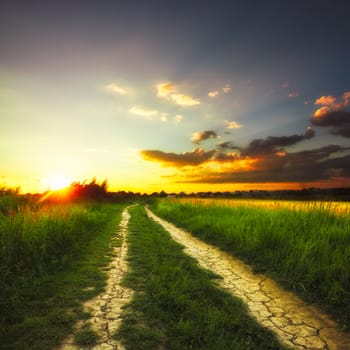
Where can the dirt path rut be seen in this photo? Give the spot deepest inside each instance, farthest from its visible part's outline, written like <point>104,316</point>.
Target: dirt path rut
<point>106,308</point>
<point>296,324</point>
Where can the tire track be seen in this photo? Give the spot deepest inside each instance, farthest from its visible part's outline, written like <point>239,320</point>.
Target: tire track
<point>106,308</point>
<point>296,324</point>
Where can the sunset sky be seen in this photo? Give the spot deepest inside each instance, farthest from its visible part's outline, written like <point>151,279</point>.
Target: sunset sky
<point>175,95</point>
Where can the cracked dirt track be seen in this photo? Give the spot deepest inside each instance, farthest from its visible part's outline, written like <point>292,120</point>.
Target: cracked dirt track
<point>296,324</point>
<point>106,308</point>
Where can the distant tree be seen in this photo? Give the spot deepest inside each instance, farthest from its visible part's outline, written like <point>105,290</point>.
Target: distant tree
<point>91,190</point>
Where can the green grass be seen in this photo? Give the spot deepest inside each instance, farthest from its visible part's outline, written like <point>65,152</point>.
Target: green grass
<point>50,261</point>
<point>306,251</point>
<point>85,336</point>
<point>176,304</point>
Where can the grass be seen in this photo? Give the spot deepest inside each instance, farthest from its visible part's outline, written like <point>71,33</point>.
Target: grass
<point>85,336</point>
<point>176,304</point>
<point>50,262</point>
<point>307,251</point>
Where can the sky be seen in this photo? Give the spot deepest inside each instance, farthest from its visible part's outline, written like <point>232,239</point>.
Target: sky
<point>175,95</point>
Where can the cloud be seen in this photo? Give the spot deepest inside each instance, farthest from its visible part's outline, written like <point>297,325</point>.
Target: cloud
<point>285,85</point>
<point>325,163</point>
<point>213,93</point>
<point>273,144</point>
<point>333,113</point>
<point>325,100</point>
<point>261,161</point>
<point>167,90</point>
<point>332,103</point>
<point>293,94</point>
<point>226,89</point>
<point>226,145</point>
<point>342,131</point>
<point>178,118</point>
<point>232,124</point>
<point>326,117</point>
<point>200,136</point>
<point>144,112</point>
<point>115,89</point>
<point>200,166</point>
<point>164,117</point>
<point>193,158</point>
<point>346,98</point>
<point>184,100</point>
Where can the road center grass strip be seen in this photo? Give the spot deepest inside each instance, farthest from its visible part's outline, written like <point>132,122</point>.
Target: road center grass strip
<point>176,304</point>
<point>306,251</point>
<point>51,259</point>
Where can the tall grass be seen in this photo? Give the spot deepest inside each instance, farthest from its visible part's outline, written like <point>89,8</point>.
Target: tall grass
<point>306,250</point>
<point>48,255</point>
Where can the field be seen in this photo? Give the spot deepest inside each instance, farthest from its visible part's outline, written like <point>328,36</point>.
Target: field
<point>305,246</point>
<point>54,256</point>
<point>341,208</point>
<point>50,260</point>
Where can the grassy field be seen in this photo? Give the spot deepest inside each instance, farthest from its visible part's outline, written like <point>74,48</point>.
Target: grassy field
<point>307,249</point>
<point>339,208</point>
<point>176,305</point>
<point>50,261</point>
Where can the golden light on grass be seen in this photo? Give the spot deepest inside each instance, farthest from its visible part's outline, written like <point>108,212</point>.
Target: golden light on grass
<point>340,208</point>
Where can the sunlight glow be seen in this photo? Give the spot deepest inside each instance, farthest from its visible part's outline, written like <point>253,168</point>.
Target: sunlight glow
<point>57,182</point>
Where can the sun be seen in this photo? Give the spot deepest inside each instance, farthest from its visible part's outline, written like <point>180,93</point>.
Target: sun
<point>58,182</point>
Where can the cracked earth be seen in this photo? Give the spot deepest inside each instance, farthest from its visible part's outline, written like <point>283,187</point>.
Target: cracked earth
<point>106,308</point>
<point>295,323</point>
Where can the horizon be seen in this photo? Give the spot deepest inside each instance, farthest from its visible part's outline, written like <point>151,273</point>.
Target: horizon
<point>185,97</point>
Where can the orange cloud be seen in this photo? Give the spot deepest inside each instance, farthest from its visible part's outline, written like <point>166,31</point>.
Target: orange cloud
<point>281,154</point>
<point>346,98</point>
<point>332,102</point>
<point>333,113</point>
<point>167,90</point>
<point>325,100</point>
<point>321,112</point>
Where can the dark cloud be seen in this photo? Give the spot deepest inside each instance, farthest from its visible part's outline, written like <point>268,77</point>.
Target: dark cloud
<point>332,118</point>
<point>338,120</point>
<point>200,136</point>
<point>262,161</point>
<point>342,131</point>
<point>196,157</point>
<point>305,166</point>
<point>226,145</point>
<point>273,144</point>
<point>324,163</point>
